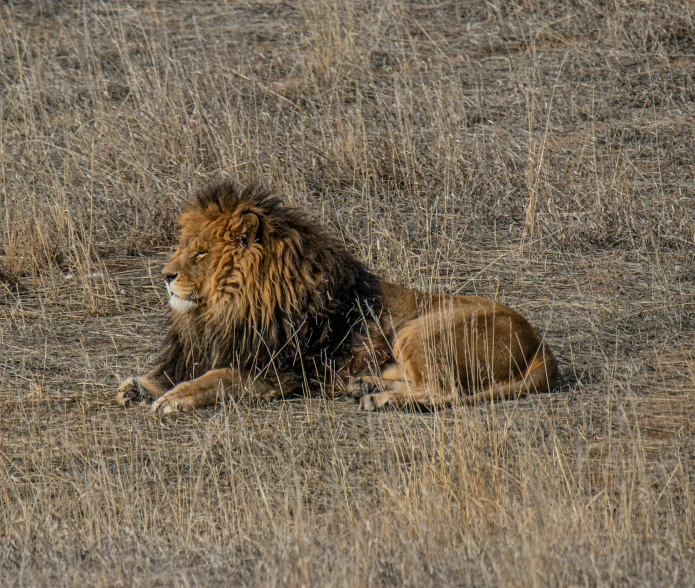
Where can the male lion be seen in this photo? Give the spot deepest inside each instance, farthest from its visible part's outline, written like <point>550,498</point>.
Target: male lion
<point>265,302</point>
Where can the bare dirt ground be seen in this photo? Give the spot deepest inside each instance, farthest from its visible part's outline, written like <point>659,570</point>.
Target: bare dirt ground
<point>538,152</point>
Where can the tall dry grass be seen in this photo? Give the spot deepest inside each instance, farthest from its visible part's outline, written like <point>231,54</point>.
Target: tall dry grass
<point>535,152</point>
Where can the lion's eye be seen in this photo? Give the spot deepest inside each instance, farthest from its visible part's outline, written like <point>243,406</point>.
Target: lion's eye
<point>200,255</point>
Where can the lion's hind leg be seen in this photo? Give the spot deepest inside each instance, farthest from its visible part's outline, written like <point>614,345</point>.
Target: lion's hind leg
<point>397,389</point>
<point>418,377</point>
<point>540,376</point>
<point>402,394</point>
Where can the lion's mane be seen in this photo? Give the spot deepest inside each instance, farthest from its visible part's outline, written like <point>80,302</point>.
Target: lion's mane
<point>294,307</point>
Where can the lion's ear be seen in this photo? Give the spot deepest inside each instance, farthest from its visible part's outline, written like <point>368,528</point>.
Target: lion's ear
<point>248,228</point>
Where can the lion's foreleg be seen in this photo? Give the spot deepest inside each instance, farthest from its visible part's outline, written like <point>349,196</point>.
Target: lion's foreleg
<point>203,391</point>
<point>209,389</point>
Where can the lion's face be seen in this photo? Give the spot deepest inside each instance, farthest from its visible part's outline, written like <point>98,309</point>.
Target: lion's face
<point>213,253</point>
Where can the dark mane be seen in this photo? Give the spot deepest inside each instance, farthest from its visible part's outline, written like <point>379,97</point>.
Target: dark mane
<point>319,295</point>
<point>228,196</point>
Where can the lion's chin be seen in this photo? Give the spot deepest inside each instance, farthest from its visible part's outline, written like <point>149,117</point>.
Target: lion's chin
<point>179,304</point>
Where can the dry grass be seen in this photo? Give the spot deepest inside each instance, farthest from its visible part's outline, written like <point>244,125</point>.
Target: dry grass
<point>538,152</point>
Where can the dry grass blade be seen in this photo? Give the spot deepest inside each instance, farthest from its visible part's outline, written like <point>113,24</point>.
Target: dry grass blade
<point>8,277</point>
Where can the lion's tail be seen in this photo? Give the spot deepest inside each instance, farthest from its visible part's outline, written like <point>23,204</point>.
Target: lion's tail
<point>539,376</point>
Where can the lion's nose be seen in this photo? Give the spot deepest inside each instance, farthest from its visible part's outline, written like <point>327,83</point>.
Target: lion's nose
<point>169,278</point>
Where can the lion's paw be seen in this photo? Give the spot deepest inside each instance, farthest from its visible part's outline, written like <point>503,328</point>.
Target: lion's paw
<point>131,391</point>
<point>367,403</point>
<point>359,388</point>
<point>175,400</point>
<point>372,402</point>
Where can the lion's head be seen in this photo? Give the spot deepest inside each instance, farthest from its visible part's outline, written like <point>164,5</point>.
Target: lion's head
<point>254,279</point>
<point>217,250</point>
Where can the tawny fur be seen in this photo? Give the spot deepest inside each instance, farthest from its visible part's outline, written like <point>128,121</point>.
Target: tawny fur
<point>266,303</point>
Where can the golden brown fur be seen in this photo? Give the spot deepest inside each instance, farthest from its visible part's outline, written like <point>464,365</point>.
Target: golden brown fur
<point>266,303</point>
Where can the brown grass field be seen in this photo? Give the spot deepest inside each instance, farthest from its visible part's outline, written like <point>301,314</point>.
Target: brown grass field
<point>538,152</point>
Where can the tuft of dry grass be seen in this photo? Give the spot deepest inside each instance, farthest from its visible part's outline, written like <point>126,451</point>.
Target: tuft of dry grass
<point>532,151</point>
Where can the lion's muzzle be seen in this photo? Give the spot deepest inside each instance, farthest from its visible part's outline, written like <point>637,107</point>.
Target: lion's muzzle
<point>181,303</point>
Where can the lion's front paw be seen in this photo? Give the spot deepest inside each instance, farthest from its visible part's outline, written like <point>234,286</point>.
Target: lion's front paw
<point>180,398</point>
<point>132,391</point>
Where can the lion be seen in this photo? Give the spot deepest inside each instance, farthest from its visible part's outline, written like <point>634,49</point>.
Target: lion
<point>266,303</point>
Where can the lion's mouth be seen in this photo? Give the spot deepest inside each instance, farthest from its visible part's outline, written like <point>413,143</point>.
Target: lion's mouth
<point>179,304</point>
